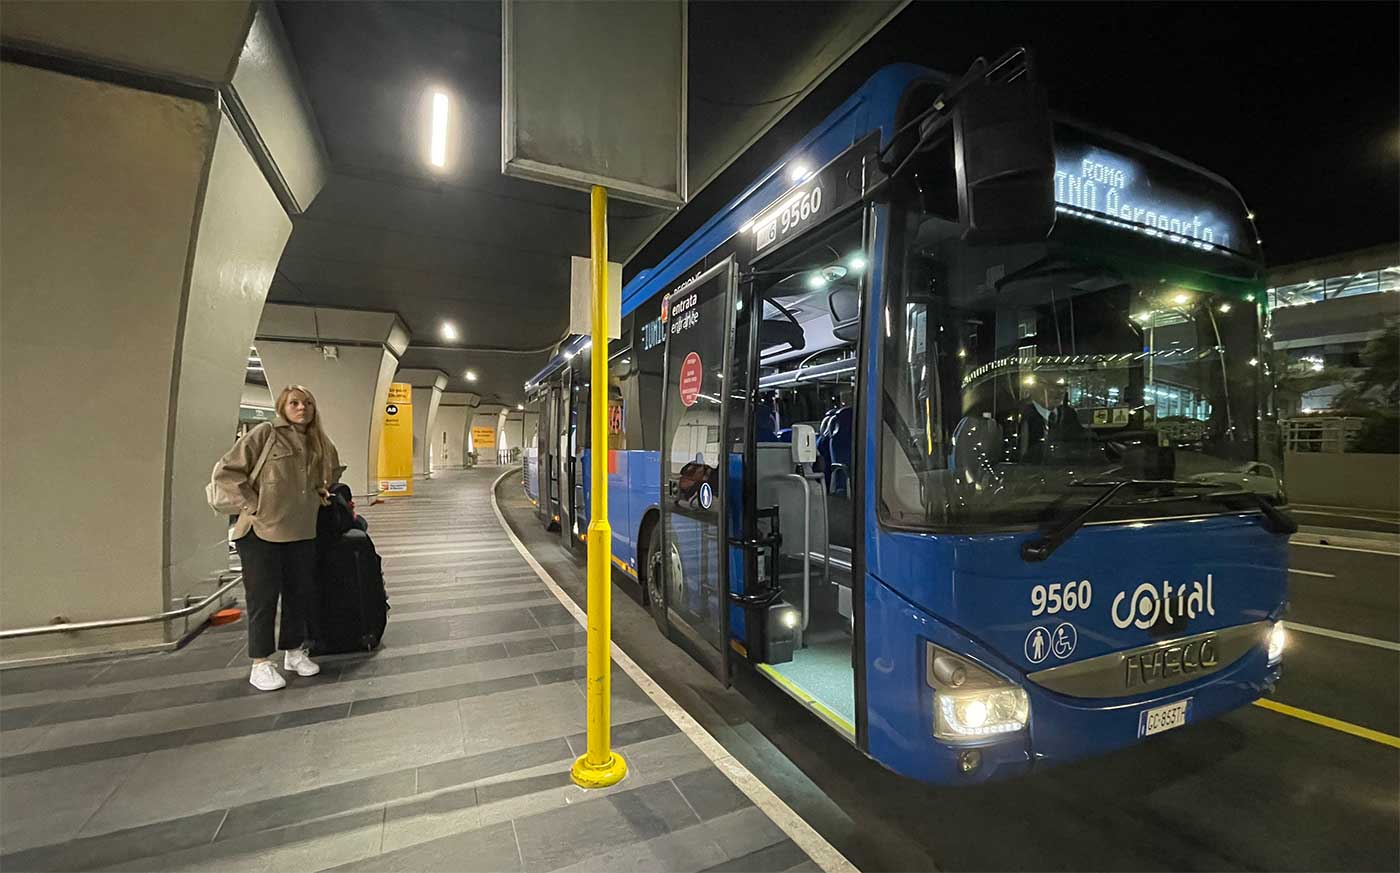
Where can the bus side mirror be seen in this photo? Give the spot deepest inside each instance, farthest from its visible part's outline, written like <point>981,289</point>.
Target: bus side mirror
<point>1005,158</point>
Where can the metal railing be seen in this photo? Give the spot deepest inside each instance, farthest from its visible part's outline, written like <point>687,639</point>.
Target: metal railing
<point>75,626</point>
<point>1324,434</point>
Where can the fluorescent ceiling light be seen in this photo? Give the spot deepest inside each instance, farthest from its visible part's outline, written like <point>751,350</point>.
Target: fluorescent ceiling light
<point>437,153</point>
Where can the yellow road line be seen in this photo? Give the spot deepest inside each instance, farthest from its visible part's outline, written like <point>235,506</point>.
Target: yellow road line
<point>1335,724</point>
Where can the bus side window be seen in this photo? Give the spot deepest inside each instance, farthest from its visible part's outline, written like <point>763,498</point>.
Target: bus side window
<point>619,375</point>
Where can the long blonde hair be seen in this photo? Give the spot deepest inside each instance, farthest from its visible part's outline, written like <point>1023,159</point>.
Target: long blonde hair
<point>317,462</point>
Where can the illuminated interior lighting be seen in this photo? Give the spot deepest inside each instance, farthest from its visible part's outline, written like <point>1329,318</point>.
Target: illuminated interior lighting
<point>817,280</point>
<point>437,152</point>
<point>470,375</point>
<point>520,406</point>
<point>1249,215</point>
<point>857,263</point>
<point>1249,297</point>
<point>449,331</point>
<point>1029,380</point>
<point>1224,307</point>
<point>1254,362</point>
<point>1060,381</point>
<point>962,353</point>
<point>1181,299</point>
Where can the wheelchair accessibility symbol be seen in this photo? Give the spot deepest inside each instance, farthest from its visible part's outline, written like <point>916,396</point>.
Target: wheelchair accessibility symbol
<point>1063,640</point>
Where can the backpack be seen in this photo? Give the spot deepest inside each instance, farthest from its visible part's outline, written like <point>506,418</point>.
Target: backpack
<point>220,499</point>
<point>336,517</point>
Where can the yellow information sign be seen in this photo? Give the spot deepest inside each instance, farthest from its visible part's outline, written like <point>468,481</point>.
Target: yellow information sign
<point>396,445</point>
<point>483,438</point>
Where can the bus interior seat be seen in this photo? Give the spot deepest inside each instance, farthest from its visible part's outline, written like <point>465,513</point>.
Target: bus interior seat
<point>765,422</point>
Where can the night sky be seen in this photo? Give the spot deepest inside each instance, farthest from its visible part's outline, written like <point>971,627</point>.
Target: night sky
<point>1297,104</point>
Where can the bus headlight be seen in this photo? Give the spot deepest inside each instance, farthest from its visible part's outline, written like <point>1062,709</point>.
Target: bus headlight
<point>1277,638</point>
<point>970,702</point>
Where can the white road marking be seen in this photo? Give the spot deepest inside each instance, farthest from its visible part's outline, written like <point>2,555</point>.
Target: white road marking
<point>1346,515</point>
<point>1341,635</point>
<point>1312,572</point>
<point>1344,548</point>
<point>825,855</point>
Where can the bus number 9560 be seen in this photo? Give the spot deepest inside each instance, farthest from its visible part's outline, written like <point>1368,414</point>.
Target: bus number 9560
<point>801,209</point>
<point>1061,597</point>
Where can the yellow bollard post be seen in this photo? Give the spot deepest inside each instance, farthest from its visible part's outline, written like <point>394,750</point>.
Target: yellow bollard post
<point>599,766</point>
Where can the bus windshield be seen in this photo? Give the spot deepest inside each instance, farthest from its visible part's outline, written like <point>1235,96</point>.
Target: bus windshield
<point>1018,377</point>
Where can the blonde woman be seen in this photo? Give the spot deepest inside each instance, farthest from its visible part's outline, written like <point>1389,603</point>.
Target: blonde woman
<point>276,529</point>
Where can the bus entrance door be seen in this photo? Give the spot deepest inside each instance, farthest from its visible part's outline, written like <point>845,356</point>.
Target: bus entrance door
<point>699,324</point>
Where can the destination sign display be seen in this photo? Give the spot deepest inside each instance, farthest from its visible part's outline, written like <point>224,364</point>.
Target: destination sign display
<point>1100,180</point>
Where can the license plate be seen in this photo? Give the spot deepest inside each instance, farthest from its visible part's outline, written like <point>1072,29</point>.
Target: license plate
<point>1163,718</point>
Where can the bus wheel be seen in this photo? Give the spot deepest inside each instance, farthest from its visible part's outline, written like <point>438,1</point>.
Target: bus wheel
<point>656,599</point>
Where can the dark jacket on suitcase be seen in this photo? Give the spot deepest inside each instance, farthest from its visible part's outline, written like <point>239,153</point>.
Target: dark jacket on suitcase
<point>352,607</point>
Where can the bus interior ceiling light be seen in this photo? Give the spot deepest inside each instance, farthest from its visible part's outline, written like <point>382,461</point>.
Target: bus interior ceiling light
<point>449,331</point>
<point>470,375</point>
<point>437,147</point>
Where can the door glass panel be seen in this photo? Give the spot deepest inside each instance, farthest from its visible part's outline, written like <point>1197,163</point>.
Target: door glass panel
<point>698,328</point>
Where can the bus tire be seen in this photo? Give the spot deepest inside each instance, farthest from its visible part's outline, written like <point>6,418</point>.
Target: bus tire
<point>655,597</point>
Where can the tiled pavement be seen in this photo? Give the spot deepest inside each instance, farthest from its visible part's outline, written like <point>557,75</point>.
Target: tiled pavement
<point>448,749</point>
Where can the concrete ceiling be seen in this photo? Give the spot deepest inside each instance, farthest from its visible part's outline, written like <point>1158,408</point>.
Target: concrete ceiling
<point>489,253</point>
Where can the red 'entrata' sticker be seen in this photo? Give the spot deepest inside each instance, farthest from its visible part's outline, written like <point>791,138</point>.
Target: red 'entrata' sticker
<point>691,374</point>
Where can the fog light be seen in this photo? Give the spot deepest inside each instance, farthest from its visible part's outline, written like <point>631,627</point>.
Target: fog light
<point>949,671</point>
<point>1277,638</point>
<point>969,760</point>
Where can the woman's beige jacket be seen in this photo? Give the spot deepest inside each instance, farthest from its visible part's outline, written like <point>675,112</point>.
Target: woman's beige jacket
<point>281,506</point>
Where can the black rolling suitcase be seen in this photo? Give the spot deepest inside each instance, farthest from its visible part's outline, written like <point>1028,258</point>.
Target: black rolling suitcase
<point>352,607</point>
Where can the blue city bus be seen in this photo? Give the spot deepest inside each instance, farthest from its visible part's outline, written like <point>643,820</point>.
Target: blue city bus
<point>951,425</point>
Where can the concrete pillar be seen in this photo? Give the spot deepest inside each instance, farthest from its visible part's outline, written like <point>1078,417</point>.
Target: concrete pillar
<point>140,227</point>
<point>347,357</point>
<point>449,434</point>
<point>427,395</point>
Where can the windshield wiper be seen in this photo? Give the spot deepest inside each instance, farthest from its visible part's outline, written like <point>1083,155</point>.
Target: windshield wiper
<point>1042,547</point>
<point>1275,519</point>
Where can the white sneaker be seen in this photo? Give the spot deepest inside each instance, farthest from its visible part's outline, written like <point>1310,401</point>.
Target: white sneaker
<point>265,677</point>
<point>298,660</point>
